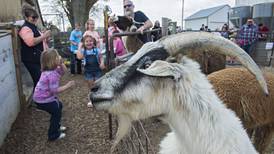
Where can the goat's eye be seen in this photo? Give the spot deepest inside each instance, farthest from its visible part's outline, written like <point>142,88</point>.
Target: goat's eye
<point>145,62</point>
<point>147,65</point>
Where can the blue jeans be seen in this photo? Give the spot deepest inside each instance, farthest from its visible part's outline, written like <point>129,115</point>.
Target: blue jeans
<point>75,62</point>
<point>92,75</point>
<point>35,72</point>
<point>248,48</point>
<point>55,110</point>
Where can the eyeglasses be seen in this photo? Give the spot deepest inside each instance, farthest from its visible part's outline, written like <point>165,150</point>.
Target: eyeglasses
<point>129,5</point>
<point>34,17</point>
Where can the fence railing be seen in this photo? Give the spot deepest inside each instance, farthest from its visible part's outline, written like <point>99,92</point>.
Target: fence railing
<point>260,54</point>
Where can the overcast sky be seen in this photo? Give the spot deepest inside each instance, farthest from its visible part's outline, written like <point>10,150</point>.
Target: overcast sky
<point>156,9</point>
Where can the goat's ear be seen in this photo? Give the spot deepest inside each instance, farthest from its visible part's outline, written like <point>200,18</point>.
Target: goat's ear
<point>163,69</point>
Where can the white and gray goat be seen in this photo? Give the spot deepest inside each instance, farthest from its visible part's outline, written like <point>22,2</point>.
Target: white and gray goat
<point>178,93</point>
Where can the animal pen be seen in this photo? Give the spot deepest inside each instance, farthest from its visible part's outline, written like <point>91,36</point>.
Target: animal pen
<point>136,142</point>
<point>11,89</point>
<point>263,52</point>
<point>263,56</point>
<point>18,90</point>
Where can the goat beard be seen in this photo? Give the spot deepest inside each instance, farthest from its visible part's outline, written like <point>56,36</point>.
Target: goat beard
<point>124,125</point>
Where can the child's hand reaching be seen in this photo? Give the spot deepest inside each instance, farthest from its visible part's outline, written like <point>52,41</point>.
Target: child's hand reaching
<point>66,86</point>
<point>71,83</point>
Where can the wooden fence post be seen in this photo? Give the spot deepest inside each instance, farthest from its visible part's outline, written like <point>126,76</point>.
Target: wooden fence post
<point>17,63</point>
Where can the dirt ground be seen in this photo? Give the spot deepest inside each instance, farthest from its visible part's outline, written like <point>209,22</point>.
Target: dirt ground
<point>88,129</point>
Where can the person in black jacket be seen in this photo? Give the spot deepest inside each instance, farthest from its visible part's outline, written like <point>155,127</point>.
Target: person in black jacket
<point>157,34</point>
<point>33,42</point>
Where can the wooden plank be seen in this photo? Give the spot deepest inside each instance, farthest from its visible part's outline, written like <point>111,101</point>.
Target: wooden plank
<point>8,114</point>
<point>10,10</point>
<point>9,103</point>
<point>7,69</point>
<point>8,86</point>
<point>17,63</point>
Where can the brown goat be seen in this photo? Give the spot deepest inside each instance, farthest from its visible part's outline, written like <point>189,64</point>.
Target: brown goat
<point>240,91</point>
<point>132,43</point>
<point>209,61</point>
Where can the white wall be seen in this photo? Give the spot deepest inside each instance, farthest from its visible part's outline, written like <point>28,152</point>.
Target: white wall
<point>195,24</point>
<point>250,2</point>
<point>218,19</point>
<point>9,100</point>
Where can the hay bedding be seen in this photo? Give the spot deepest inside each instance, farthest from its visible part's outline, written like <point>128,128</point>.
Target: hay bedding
<point>87,129</point>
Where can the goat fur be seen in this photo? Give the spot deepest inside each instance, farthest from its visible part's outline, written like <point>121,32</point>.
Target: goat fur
<point>199,121</point>
<point>240,91</point>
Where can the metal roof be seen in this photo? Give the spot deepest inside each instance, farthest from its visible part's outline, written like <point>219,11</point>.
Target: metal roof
<point>205,12</point>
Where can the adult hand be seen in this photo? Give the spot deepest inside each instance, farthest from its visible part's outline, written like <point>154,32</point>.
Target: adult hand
<point>141,29</point>
<point>47,34</point>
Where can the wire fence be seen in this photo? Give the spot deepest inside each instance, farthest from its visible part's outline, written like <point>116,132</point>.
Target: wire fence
<point>262,51</point>
<point>60,41</point>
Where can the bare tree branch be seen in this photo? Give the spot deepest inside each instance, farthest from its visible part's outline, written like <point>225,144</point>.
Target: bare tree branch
<point>75,10</point>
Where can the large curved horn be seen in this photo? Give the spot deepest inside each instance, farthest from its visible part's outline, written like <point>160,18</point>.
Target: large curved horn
<point>204,41</point>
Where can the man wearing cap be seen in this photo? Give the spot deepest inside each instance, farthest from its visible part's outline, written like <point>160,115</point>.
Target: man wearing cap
<point>141,21</point>
<point>249,35</point>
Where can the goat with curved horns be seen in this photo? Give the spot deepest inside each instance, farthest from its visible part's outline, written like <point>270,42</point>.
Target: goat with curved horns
<point>179,93</point>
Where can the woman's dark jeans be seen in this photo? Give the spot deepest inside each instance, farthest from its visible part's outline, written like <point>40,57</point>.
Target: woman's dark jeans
<point>35,72</point>
<point>75,62</point>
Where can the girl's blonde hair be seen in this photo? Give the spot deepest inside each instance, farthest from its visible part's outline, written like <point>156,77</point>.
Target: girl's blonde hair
<point>49,59</point>
<point>86,24</point>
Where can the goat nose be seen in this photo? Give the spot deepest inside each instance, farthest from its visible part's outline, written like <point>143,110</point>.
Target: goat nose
<point>94,89</point>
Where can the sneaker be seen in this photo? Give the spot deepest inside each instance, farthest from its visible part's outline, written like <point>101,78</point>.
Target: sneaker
<point>63,128</point>
<point>62,135</point>
<point>89,105</point>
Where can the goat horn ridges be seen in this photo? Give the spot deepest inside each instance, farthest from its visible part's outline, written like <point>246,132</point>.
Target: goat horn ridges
<point>203,41</point>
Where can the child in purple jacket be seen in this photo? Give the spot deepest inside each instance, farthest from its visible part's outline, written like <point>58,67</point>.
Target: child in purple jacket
<point>47,88</point>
